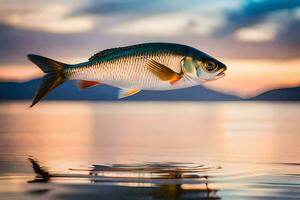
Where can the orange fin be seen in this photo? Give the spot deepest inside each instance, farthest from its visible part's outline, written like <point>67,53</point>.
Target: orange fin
<point>163,72</point>
<point>127,92</point>
<point>86,84</point>
<point>173,82</point>
<point>53,78</point>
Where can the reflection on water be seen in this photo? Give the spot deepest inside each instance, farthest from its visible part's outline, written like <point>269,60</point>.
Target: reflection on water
<point>163,180</point>
<point>256,144</point>
<point>129,171</point>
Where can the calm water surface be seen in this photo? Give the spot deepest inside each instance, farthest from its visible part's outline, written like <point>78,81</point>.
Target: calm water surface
<point>165,150</point>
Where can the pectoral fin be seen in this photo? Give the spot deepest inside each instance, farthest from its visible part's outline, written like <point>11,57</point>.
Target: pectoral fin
<point>127,92</point>
<point>86,84</point>
<point>163,72</point>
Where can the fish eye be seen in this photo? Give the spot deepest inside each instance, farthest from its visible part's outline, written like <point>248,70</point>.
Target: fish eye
<point>210,66</point>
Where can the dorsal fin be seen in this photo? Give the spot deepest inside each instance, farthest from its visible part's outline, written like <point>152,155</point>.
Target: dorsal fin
<point>113,50</point>
<point>104,53</point>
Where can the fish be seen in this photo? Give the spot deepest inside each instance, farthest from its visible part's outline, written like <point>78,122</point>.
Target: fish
<point>146,66</point>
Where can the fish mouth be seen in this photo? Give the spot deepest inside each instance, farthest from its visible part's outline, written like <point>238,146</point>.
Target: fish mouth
<point>221,74</point>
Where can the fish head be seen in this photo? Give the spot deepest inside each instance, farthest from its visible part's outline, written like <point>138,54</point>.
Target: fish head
<point>203,68</point>
<point>210,69</point>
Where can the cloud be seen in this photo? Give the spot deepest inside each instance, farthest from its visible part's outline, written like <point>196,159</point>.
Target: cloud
<point>266,30</point>
<point>297,13</point>
<point>146,7</point>
<point>258,33</point>
<point>254,13</point>
<point>48,17</point>
<point>200,18</point>
<point>168,25</point>
<point>17,43</point>
<point>132,7</point>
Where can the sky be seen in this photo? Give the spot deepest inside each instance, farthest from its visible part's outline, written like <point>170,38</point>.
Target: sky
<point>258,40</point>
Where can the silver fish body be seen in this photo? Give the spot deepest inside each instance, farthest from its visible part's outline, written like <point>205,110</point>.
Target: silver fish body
<point>149,66</point>
<point>128,68</point>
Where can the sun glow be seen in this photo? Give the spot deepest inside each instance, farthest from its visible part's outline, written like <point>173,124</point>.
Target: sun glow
<point>248,78</point>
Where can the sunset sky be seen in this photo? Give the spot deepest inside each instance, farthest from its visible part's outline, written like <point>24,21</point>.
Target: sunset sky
<point>257,39</point>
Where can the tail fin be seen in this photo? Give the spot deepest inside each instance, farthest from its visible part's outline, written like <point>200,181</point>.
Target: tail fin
<point>42,175</point>
<point>53,78</point>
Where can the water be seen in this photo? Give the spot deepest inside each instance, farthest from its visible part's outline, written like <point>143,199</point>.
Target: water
<point>183,150</point>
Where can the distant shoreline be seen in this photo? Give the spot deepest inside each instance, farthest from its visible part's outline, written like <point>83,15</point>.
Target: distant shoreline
<point>69,92</point>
